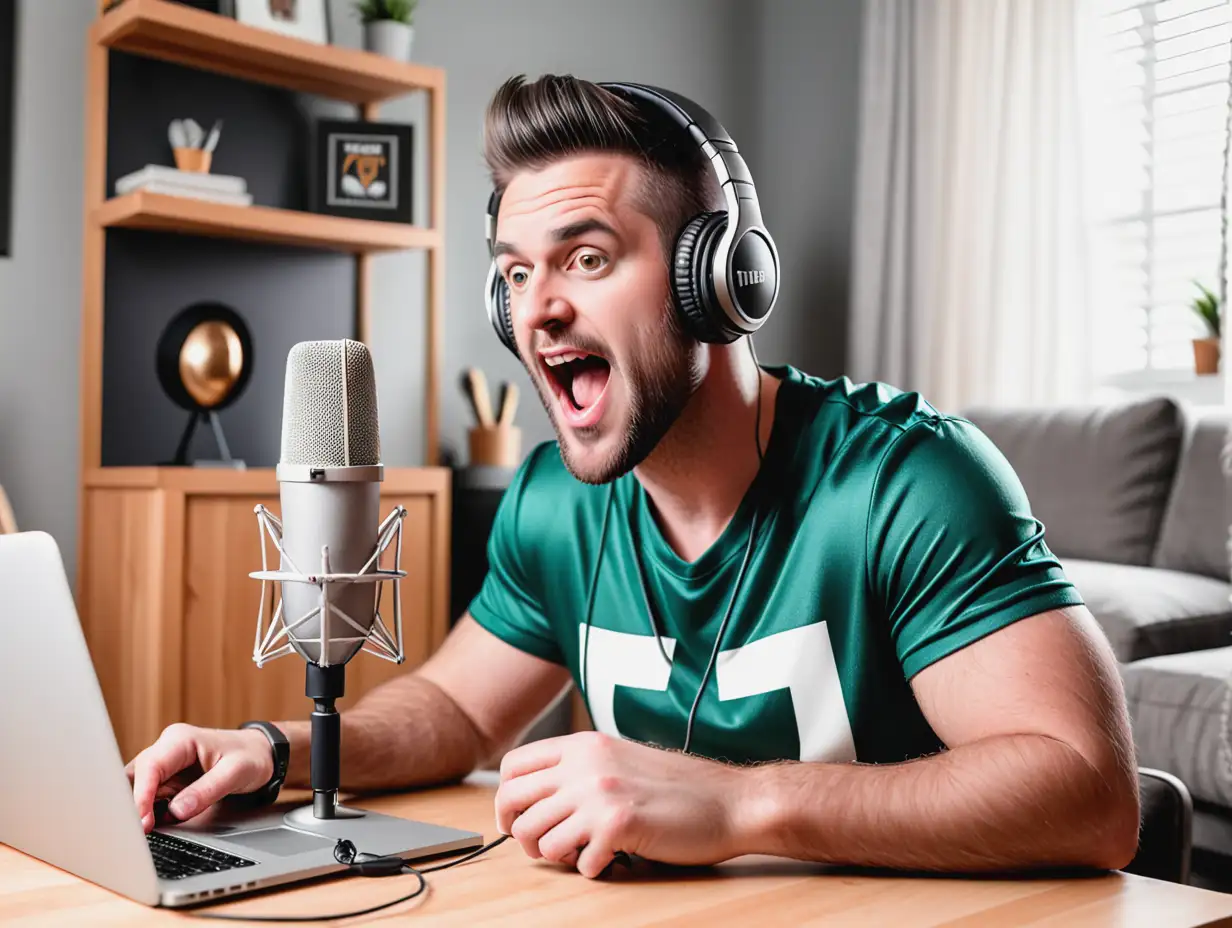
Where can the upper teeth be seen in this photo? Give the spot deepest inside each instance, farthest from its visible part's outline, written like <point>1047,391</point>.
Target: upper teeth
<point>558,359</point>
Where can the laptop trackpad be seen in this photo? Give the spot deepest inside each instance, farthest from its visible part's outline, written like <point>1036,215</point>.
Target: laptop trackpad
<point>279,841</point>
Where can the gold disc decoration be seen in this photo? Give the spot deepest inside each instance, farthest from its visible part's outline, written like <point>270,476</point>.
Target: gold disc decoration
<point>211,361</point>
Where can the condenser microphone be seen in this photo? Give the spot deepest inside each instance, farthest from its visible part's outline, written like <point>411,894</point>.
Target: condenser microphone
<point>328,540</point>
<point>329,480</point>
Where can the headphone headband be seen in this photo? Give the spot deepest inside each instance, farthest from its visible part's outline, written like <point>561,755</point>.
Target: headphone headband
<point>725,270</point>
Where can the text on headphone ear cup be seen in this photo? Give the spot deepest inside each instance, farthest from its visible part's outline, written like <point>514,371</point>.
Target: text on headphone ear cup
<point>693,283</point>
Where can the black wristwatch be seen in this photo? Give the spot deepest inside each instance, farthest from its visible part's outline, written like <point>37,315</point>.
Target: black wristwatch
<point>282,758</point>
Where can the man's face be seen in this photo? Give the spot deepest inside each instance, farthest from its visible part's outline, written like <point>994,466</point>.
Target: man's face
<point>592,311</point>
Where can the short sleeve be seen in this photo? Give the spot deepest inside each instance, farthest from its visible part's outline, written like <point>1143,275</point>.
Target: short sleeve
<point>953,550</point>
<point>510,603</point>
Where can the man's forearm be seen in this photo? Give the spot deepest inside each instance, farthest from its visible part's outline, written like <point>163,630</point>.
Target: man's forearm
<point>406,732</point>
<point>1005,803</point>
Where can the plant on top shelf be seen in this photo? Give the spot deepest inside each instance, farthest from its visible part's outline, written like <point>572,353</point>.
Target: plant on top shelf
<point>388,26</point>
<point>1206,350</point>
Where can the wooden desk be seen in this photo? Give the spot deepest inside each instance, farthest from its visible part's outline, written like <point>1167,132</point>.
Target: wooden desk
<point>506,885</point>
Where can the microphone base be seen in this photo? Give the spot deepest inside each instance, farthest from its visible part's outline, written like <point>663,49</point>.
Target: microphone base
<point>375,833</point>
<point>325,805</point>
<point>306,816</point>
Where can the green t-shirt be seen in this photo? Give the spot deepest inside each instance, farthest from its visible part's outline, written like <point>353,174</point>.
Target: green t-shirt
<point>889,536</point>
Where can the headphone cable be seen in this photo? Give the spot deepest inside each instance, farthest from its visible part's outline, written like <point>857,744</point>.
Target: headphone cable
<point>637,560</point>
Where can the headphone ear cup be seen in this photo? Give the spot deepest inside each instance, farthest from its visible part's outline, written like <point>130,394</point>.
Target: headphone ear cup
<point>504,317</point>
<point>693,281</point>
<point>496,295</point>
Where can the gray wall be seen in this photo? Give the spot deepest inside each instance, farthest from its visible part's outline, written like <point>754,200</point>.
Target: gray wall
<point>802,151</point>
<point>40,284</point>
<point>781,74</point>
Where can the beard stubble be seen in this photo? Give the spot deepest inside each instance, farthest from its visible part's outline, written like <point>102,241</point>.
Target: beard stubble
<point>660,378</point>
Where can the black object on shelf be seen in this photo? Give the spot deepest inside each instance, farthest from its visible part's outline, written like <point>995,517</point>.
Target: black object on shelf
<point>476,496</point>
<point>204,361</point>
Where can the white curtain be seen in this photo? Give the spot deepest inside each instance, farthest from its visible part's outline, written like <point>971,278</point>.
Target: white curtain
<point>968,279</point>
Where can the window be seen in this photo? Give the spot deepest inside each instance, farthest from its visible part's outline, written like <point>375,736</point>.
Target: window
<point>1157,129</point>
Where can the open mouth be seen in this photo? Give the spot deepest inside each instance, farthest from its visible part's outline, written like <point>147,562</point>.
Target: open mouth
<point>579,379</point>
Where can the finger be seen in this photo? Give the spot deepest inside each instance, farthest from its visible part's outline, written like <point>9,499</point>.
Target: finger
<point>513,797</point>
<point>157,763</point>
<point>597,853</point>
<point>563,842</point>
<point>225,777</point>
<point>538,820</point>
<point>531,757</point>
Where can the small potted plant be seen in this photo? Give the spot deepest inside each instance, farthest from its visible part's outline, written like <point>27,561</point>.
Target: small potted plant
<point>1206,350</point>
<point>387,26</point>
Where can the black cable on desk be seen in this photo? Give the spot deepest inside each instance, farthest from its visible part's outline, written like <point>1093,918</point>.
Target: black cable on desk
<point>364,865</point>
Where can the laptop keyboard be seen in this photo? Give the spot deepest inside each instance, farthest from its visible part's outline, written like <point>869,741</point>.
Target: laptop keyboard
<point>175,858</point>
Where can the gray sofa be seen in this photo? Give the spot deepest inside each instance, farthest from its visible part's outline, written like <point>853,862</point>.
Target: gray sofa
<point>1136,504</point>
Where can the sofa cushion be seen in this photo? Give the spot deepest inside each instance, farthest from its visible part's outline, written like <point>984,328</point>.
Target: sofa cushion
<point>1146,611</point>
<point>1098,477</point>
<point>1176,705</point>
<point>1194,536</point>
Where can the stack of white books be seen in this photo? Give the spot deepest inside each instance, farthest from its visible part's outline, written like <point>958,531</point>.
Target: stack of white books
<point>159,178</point>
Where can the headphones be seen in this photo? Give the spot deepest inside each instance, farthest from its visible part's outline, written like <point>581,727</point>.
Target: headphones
<point>725,267</point>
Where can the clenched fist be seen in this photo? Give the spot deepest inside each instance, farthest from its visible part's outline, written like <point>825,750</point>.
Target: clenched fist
<point>582,798</point>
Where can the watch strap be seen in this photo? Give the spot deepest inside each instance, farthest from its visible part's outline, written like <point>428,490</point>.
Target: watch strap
<point>281,749</point>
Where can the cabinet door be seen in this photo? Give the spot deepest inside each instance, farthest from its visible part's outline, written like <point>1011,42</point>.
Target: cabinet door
<point>222,684</point>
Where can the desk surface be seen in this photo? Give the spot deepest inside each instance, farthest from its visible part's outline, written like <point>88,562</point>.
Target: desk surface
<point>505,884</point>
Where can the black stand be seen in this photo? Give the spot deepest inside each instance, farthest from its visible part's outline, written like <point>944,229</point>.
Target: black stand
<point>324,685</point>
<point>181,451</point>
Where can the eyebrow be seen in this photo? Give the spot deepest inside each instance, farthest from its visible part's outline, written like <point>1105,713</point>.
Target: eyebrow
<point>563,234</point>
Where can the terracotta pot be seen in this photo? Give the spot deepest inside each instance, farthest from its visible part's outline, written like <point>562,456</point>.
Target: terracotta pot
<point>1206,355</point>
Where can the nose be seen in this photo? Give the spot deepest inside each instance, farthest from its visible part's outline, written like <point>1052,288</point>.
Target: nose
<point>541,306</point>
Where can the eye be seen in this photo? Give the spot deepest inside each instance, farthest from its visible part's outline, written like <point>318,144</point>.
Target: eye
<point>591,261</point>
<point>517,276</point>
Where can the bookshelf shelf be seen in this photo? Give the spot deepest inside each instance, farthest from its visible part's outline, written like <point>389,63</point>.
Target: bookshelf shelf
<point>156,211</point>
<point>177,33</point>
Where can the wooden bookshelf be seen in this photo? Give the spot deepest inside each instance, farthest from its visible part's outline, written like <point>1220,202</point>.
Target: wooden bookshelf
<point>177,33</point>
<point>165,553</point>
<point>143,210</point>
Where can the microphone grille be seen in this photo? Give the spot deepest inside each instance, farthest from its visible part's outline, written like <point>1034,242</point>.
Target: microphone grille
<point>329,414</point>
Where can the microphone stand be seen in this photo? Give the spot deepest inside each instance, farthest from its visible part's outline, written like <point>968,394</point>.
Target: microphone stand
<point>325,685</point>
<point>376,832</point>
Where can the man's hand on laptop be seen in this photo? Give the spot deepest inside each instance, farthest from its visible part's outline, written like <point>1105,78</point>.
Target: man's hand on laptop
<point>196,767</point>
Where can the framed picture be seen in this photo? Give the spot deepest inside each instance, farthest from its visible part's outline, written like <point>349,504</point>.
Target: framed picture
<point>8,99</point>
<point>363,170</point>
<point>300,19</point>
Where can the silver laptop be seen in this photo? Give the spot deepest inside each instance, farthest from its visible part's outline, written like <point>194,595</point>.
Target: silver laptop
<point>64,795</point>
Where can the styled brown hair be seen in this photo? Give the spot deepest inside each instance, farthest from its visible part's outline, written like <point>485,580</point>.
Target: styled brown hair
<point>529,125</point>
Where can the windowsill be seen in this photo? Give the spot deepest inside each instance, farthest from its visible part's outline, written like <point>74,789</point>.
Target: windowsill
<point>1182,385</point>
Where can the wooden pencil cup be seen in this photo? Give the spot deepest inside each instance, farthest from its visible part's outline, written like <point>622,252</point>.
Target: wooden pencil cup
<point>495,447</point>
<point>193,159</point>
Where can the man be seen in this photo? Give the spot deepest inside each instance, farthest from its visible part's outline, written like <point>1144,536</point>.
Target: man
<point>834,594</point>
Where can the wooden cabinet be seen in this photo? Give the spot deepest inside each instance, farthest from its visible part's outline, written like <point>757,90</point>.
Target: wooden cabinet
<point>170,612</point>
